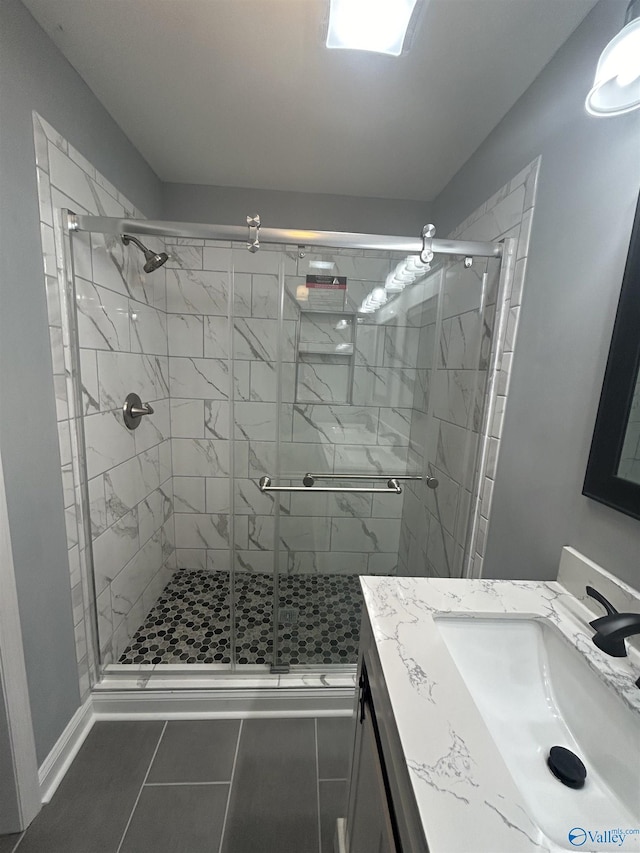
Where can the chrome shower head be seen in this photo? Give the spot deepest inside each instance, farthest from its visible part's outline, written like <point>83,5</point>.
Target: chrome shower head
<point>153,260</point>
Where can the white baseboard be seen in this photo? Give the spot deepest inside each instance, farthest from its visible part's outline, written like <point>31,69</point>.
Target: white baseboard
<point>221,703</point>
<point>185,705</point>
<point>65,749</point>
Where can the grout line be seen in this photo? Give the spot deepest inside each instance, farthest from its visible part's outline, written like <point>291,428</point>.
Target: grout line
<point>334,780</point>
<point>146,775</point>
<point>233,773</point>
<point>19,840</point>
<point>174,784</point>
<point>315,731</point>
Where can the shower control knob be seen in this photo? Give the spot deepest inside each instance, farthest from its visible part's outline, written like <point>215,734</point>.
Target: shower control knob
<point>134,409</point>
<point>432,482</point>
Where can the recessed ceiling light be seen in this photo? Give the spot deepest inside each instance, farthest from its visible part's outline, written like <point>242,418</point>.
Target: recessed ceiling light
<point>375,25</point>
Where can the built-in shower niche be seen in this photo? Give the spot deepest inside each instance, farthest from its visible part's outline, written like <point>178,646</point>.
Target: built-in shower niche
<point>326,347</point>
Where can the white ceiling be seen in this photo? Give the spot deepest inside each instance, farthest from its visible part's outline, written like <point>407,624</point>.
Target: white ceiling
<point>243,93</point>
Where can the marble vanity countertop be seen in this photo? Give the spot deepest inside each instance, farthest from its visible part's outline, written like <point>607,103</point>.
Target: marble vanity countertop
<point>465,795</point>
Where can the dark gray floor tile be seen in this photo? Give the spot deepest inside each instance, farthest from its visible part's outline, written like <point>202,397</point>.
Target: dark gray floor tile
<point>177,819</point>
<point>196,751</point>
<point>333,804</point>
<point>273,806</point>
<point>90,809</point>
<point>335,739</point>
<point>8,842</point>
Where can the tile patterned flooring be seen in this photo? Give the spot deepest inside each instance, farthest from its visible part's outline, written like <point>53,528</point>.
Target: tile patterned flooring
<point>205,786</point>
<point>191,621</point>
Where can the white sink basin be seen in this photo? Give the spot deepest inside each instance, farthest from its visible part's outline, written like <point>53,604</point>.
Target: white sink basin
<point>534,690</point>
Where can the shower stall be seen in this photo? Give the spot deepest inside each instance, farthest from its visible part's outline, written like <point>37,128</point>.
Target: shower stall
<point>310,407</point>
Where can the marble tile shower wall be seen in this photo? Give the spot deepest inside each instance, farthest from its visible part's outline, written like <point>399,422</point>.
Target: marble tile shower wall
<point>122,336</point>
<point>469,400</point>
<point>314,429</point>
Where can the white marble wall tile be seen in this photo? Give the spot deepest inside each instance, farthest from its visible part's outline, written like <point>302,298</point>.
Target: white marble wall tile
<point>335,424</point>
<point>89,380</point>
<point>185,334</point>
<point>189,494</point>
<point>324,504</point>
<point>217,494</point>
<point>257,421</point>
<point>265,296</point>
<point>261,532</point>
<point>365,535</point>
<point>114,548</point>
<point>450,455</point>
<point>394,426</point>
<point>153,511</point>
<point>208,530</point>
<point>164,460</point>
<point>130,582</point>
<point>216,419</point>
<point>327,562</point>
<point>381,459</point>
<point>197,292</point>
<point>105,612</point>
<point>260,562</point>
<point>401,346</point>
<point>108,442</point>
<point>200,457</point>
<point>41,143</point>
<point>322,383</point>
<point>148,329</point>
<point>109,266</point>
<point>250,500</point>
<point>191,558</point>
<point>295,459</point>
<point>54,309</point>
<point>103,317</point>
<point>216,337</point>
<point>264,380</point>
<point>454,395</point>
<point>187,418</point>
<point>459,342</point>
<point>119,373</point>
<point>184,257</point>
<point>70,178</point>
<point>440,550</point>
<point>129,483</point>
<point>325,328</point>
<point>218,560</point>
<point>154,428</point>
<point>97,506</point>
<point>443,501</point>
<point>44,197</point>
<point>384,386</point>
<point>203,378</point>
<point>383,564</point>
<point>313,534</point>
<point>370,344</point>
<point>387,505</point>
<point>257,339</point>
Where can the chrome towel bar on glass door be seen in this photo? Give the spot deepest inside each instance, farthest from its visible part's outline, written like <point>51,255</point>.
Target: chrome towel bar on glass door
<point>309,479</point>
<point>393,487</point>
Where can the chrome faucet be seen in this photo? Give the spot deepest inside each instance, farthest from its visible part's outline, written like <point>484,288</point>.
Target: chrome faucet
<point>612,629</point>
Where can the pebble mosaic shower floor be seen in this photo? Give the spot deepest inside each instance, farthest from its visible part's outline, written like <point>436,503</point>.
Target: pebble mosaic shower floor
<point>190,623</point>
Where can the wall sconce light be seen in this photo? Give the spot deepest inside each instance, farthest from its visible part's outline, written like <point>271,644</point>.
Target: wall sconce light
<point>375,25</point>
<point>616,89</point>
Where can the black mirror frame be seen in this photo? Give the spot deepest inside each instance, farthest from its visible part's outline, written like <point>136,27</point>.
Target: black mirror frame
<point>601,481</point>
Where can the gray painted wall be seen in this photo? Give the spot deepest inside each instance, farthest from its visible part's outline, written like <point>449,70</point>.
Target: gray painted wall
<point>34,75</point>
<point>9,808</point>
<point>231,205</point>
<point>588,189</point>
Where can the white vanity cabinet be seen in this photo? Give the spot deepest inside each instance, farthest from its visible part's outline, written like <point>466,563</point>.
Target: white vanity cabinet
<point>382,816</point>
